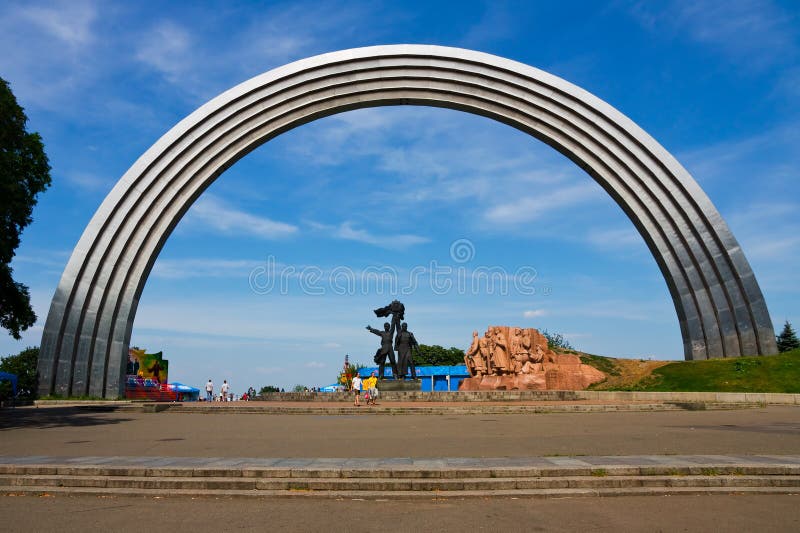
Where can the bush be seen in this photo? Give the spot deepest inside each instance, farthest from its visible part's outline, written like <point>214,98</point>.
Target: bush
<point>24,366</point>
<point>556,340</point>
<point>436,355</point>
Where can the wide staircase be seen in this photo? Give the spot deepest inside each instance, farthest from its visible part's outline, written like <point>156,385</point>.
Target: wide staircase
<point>401,478</point>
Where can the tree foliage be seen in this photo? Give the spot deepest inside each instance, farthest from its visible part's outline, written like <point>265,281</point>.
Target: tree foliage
<point>24,366</point>
<point>24,173</point>
<point>268,388</point>
<point>787,340</point>
<point>436,355</point>
<point>556,341</point>
<point>345,377</point>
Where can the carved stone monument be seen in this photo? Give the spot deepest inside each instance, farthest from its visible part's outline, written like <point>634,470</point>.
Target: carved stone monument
<point>507,358</point>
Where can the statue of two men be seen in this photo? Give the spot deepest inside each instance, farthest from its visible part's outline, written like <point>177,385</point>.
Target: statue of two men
<point>404,342</point>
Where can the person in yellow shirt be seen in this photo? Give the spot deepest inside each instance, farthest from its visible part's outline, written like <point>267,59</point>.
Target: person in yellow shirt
<point>370,385</point>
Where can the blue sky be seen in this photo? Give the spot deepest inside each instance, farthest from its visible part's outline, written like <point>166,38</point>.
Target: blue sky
<point>393,192</point>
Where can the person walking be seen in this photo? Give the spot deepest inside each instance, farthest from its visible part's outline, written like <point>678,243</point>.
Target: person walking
<point>370,385</point>
<point>356,386</point>
<point>209,391</point>
<point>224,390</point>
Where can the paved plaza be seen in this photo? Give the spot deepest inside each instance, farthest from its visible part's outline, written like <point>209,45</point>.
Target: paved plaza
<point>747,442</point>
<point>82,432</point>
<point>764,514</point>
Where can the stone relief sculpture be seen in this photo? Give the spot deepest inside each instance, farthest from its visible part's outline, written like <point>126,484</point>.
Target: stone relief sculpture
<point>508,358</point>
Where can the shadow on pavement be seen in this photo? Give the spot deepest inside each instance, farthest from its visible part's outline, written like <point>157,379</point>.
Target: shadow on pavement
<point>52,417</point>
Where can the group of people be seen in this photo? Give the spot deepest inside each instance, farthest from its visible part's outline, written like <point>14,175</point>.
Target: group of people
<point>368,385</point>
<point>225,394</point>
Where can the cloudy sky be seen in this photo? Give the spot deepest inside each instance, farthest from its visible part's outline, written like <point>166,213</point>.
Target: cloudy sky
<point>272,275</point>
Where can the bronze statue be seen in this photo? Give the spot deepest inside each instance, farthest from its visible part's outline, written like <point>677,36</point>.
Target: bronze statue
<point>404,342</point>
<point>397,310</point>
<point>384,350</point>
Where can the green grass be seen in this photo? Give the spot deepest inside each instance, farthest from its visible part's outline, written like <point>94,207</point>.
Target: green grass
<point>603,364</point>
<point>773,373</point>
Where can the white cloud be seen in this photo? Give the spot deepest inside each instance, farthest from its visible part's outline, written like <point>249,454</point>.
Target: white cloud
<point>168,48</point>
<point>195,59</point>
<point>46,258</point>
<point>69,22</point>
<point>533,313</point>
<point>347,231</point>
<point>428,157</point>
<point>615,238</point>
<point>632,310</point>
<point>314,364</point>
<point>47,50</point>
<point>216,214</point>
<point>768,232</point>
<point>753,33</point>
<point>90,182</point>
<point>202,268</point>
<point>531,207</point>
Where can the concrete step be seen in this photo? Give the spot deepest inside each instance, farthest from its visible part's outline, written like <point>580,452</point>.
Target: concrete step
<point>364,478</point>
<point>395,495</point>
<point>400,472</point>
<point>395,485</point>
<point>400,481</point>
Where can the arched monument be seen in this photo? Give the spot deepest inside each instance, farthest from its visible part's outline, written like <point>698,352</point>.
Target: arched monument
<point>720,307</point>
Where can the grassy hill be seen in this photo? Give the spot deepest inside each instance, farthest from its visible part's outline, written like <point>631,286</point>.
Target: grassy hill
<point>774,373</point>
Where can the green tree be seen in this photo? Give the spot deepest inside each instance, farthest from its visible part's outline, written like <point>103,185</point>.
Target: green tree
<point>436,355</point>
<point>24,366</point>
<point>787,340</point>
<point>268,388</point>
<point>345,377</point>
<point>556,340</point>
<point>300,388</point>
<point>24,173</point>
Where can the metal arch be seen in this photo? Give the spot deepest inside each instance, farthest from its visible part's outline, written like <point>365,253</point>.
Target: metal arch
<point>720,307</point>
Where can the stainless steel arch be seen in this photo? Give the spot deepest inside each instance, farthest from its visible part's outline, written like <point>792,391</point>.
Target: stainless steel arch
<point>720,307</point>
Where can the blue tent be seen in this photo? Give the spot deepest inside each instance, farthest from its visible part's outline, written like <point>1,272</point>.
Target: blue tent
<point>7,376</point>
<point>187,393</point>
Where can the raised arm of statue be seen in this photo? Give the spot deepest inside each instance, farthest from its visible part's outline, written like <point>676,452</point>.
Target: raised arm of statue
<point>375,331</point>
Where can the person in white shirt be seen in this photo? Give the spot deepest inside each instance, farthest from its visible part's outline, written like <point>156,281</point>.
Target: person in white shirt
<point>224,390</point>
<point>356,390</point>
<point>209,391</point>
